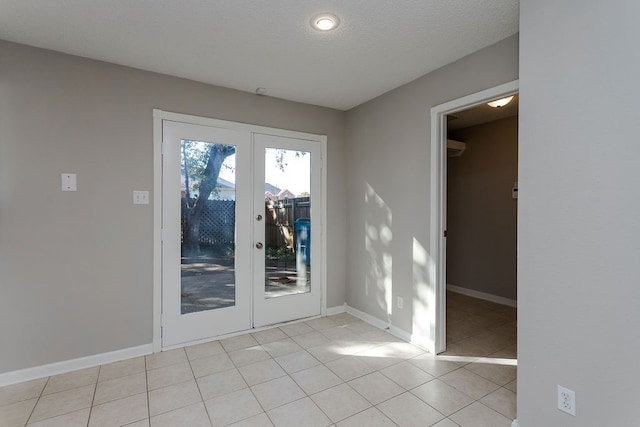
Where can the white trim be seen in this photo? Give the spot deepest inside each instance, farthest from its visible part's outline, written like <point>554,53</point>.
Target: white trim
<point>333,311</point>
<point>393,330</point>
<point>515,423</point>
<point>368,318</point>
<point>43,371</point>
<point>157,230</point>
<point>158,117</point>
<point>482,295</point>
<point>438,198</point>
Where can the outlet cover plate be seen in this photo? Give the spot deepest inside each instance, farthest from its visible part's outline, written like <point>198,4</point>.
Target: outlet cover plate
<point>567,400</point>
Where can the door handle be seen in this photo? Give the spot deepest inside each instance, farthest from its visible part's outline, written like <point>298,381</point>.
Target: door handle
<point>259,217</point>
<point>259,245</point>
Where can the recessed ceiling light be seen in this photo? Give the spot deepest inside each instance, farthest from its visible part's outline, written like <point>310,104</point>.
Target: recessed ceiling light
<point>500,102</point>
<point>325,22</point>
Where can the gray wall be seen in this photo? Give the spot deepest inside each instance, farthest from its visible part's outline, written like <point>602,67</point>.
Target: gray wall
<point>578,276</point>
<point>76,268</point>
<point>388,182</point>
<point>481,214</point>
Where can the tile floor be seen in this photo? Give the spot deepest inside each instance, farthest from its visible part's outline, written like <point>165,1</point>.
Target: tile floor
<point>335,371</point>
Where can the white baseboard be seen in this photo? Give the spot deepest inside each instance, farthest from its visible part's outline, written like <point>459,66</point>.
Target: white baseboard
<point>368,318</point>
<point>29,374</point>
<point>515,423</point>
<point>393,330</point>
<point>336,310</point>
<point>483,295</point>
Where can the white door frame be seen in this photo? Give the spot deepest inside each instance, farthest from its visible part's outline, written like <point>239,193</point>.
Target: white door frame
<point>438,198</point>
<point>158,117</point>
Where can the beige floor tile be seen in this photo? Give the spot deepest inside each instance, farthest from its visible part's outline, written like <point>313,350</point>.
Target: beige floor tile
<point>141,423</point>
<point>406,375</point>
<point>294,329</point>
<point>441,396</point>
<point>312,339</point>
<point>376,388</point>
<point>269,335</point>
<point>407,410</point>
<point>236,343</point>
<point>120,412</point>
<point>371,417</point>
<point>199,351</point>
<point>327,352</point>
<point>434,365</point>
<point>316,379</point>
<point>221,383</point>
<point>260,420</point>
<point>494,370</point>
<point>172,397</point>
<point>282,347</point>
<point>401,350</point>
<point>63,403</point>
<point>249,355</point>
<point>232,407</point>
<point>340,402</point>
<point>349,367</point>
<point>302,412</point>
<point>122,368</point>
<point>297,361</point>
<point>262,371</point>
<point>277,392</point>
<point>381,356</point>
<point>72,419</point>
<point>166,358</point>
<point>16,414</point>
<point>513,386</point>
<point>192,416</point>
<point>22,391</point>
<point>169,375</point>
<point>321,323</point>
<point>502,401</point>
<point>343,319</point>
<point>478,415</point>
<point>119,388</point>
<point>211,364</point>
<point>469,383</point>
<point>341,333</point>
<point>445,423</point>
<point>71,380</point>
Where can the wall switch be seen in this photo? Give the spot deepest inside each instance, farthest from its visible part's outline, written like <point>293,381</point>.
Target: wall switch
<point>140,197</point>
<point>400,302</point>
<point>69,182</point>
<point>567,400</point>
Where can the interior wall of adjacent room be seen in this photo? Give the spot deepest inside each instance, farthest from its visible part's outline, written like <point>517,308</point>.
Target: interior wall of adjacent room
<point>481,213</point>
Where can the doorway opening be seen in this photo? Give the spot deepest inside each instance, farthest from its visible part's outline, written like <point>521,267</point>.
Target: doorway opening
<point>481,231</point>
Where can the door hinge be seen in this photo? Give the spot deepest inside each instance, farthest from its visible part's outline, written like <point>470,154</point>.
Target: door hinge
<point>445,233</point>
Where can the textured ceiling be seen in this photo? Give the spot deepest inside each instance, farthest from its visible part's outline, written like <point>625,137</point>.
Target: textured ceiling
<point>246,44</point>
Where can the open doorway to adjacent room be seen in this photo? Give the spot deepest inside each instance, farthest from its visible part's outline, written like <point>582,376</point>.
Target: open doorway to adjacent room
<point>481,231</point>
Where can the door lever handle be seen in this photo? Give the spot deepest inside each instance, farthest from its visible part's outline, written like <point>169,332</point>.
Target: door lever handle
<point>259,245</point>
<point>259,217</point>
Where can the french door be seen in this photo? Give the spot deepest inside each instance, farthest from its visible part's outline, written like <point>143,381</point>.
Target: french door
<point>241,230</point>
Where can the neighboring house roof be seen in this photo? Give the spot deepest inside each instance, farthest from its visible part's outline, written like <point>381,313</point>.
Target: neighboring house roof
<point>271,188</point>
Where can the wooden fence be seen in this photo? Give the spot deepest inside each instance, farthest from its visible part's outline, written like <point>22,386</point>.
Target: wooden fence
<point>217,224</point>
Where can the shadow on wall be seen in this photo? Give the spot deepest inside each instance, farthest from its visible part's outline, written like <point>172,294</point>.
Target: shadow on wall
<point>378,237</point>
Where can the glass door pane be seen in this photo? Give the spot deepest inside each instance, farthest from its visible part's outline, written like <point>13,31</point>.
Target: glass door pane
<point>287,205</point>
<point>208,221</point>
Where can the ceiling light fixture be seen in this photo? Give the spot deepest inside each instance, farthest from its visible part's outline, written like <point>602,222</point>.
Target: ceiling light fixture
<point>500,102</point>
<point>325,22</point>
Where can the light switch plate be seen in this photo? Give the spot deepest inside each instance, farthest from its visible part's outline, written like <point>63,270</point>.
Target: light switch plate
<point>69,182</point>
<point>140,197</point>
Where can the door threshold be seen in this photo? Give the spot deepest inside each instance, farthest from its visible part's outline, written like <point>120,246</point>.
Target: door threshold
<point>238,333</point>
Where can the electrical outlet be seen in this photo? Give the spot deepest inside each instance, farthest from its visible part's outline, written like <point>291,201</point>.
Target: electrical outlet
<point>567,400</point>
<point>400,302</point>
